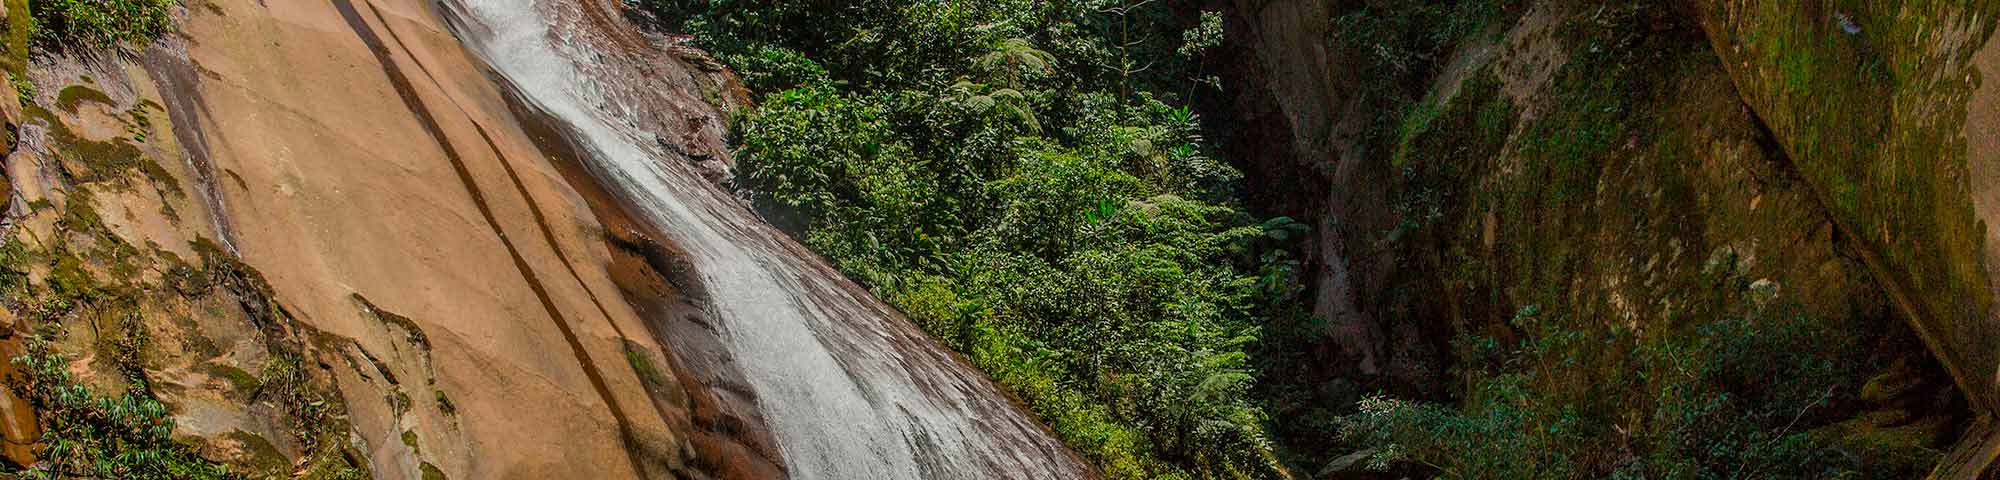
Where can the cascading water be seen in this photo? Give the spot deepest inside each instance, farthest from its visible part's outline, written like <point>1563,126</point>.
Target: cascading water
<point>848,388</point>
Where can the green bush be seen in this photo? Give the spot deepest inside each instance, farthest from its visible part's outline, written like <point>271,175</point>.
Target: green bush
<point>94,436</point>
<point>100,23</point>
<point>772,69</point>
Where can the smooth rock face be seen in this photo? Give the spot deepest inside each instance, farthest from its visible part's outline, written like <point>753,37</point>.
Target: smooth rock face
<point>363,162</point>
<point>848,388</point>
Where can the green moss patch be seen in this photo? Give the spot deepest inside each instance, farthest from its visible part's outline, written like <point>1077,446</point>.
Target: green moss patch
<point>444,404</point>
<point>20,26</point>
<point>74,95</point>
<point>430,472</point>
<point>240,381</point>
<point>260,455</point>
<point>86,161</point>
<point>655,379</point>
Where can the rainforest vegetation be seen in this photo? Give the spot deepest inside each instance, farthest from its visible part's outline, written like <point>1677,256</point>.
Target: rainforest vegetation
<point>1026,181</point>
<point>99,23</point>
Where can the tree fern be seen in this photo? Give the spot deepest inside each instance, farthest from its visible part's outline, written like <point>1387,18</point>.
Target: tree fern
<point>1013,61</point>
<point>1008,102</point>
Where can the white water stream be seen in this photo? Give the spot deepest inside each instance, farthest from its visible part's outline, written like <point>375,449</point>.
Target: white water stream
<point>849,388</point>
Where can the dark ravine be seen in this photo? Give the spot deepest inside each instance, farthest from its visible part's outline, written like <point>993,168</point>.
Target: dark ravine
<point>1296,123</point>
<point>1290,110</point>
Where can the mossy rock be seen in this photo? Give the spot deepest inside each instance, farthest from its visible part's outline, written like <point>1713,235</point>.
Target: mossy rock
<point>258,454</point>
<point>93,161</point>
<point>410,440</point>
<point>20,24</point>
<point>444,404</point>
<point>431,472</point>
<point>240,381</point>
<point>74,95</point>
<point>1867,100</point>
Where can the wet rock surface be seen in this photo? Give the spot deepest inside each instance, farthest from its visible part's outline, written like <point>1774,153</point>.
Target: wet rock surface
<point>846,386</point>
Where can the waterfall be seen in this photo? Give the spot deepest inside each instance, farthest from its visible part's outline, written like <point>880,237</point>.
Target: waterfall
<point>848,387</point>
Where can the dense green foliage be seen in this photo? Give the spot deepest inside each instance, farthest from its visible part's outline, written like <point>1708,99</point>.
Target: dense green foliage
<point>19,33</point>
<point>1017,177</point>
<point>99,23</point>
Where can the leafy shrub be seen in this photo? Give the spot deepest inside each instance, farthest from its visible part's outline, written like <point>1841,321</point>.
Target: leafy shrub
<point>772,69</point>
<point>95,436</point>
<point>100,23</point>
<point>1076,275</point>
